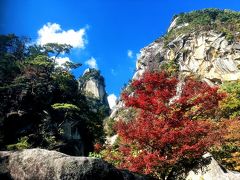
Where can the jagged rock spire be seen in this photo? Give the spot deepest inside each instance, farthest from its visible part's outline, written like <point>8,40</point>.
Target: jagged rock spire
<point>92,84</point>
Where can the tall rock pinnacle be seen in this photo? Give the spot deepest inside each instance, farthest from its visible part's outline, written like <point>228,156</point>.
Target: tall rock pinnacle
<point>92,85</point>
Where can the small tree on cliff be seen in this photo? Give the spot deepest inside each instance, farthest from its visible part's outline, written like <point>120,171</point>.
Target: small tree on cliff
<point>164,133</point>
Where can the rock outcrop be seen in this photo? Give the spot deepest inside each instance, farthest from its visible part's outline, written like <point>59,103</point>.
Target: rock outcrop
<point>92,84</point>
<point>190,49</point>
<point>44,164</point>
<point>207,54</point>
<point>211,51</point>
<point>212,171</point>
<point>207,169</point>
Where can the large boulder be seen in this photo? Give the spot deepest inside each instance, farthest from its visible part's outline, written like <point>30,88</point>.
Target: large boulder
<point>206,168</point>
<point>212,171</point>
<point>45,164</point>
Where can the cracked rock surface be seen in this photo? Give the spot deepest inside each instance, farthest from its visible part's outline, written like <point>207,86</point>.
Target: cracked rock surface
<point>44,164</point>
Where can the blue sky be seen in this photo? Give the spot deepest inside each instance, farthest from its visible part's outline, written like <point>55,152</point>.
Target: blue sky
<point>105,33</point>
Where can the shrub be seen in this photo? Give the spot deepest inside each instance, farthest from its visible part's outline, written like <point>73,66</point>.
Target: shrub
<point>22,144</point>
<point>230,106</point>
<point>221,21</point>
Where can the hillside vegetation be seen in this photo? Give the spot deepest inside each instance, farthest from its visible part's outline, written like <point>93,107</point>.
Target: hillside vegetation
<point>221,21</point>
<point>41,105</point>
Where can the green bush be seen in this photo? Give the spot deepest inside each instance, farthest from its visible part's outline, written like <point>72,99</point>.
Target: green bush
<point>109,126</point>
<point>170,66</point>
<point>230,106</point>
<point>221,21</point>
<point>22,144</point>
<point>94,155</point>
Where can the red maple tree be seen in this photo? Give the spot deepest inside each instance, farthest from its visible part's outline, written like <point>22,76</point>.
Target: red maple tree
<point>166,131</point>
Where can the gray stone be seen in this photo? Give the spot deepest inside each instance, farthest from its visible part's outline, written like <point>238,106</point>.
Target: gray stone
<point>212,171</point>
<point>206,54</point>
<point>205,168</point>
<point>44,164</point>
<point>94,86</point>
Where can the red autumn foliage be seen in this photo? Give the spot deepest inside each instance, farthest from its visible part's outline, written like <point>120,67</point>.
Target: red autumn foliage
<point>97,147</point>
<point>165,132</point>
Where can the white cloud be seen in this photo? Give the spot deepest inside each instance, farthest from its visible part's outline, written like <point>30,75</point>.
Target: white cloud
<point>53,33</point>
<point>138,55</point>
<point>112,99</point>
<point>130,53</point>
<point>61,60</point>
<point>92,63</point>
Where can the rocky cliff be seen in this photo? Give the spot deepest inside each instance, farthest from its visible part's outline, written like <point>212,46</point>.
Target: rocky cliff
<point>93,85</point>
<point>205,52</point>
<point>204,44</point>
<point>208,168</point>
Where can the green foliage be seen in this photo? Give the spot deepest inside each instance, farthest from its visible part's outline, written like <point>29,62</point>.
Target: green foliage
<point>222,21</point>
<point>109,126</point>
<point>71,65</point>
<point>228,154</point>
<point>230,106</point>
<point>95,155</point>
<point>65,83</point>
<point>98,112</point>
<point>65,106</point>
<point>128,113</point>
<point>21,144</point>
<point>40,60</point>
<point>12,50</point>
<point>170,67</point>
<point>91,73</point>
<point>38,98</point>
<point>57,48</point>
<point>207,16</point>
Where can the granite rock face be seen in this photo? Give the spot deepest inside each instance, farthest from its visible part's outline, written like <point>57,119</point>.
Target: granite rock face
<point>207,54</point>
<point>92,84</point>
<point>212,171</point>
<point>45,164</point>
<point>207,169</point>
